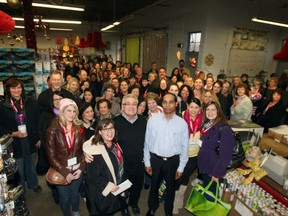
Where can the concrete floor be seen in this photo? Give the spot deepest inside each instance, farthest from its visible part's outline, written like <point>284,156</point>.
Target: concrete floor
<point>42,204</point>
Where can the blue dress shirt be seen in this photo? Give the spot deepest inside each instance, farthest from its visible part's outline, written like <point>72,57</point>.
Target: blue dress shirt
<point>166,138</point>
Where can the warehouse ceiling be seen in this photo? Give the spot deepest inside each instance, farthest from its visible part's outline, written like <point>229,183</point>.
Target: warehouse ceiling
<point>142,14</point>
<point>101,11</point>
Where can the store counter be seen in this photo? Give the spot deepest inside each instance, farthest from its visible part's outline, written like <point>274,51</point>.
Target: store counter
<point>249,132</point>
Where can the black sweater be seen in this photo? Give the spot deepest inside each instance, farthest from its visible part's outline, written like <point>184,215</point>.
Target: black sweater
<point>131,139</point>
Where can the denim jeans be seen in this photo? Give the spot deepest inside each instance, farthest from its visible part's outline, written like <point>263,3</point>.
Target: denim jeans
<point>69,196</point>
<point>27,170</point>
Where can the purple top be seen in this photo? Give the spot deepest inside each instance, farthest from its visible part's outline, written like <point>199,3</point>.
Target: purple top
<point>208,161</point>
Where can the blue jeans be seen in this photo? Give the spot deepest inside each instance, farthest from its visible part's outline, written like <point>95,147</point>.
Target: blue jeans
<point>27,170</point>
<point>69,196</point>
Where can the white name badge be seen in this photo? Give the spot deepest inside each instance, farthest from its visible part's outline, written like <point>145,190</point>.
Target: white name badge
<point>199,142</point>
<point>72,161</point>
<point>22,128</point>
<point>193,144</point>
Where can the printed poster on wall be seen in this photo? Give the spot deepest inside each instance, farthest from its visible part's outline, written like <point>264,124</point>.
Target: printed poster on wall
<point>248,51</point>
<point>249,39</point>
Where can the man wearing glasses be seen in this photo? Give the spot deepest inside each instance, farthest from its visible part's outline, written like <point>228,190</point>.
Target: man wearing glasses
<point>131,130</point>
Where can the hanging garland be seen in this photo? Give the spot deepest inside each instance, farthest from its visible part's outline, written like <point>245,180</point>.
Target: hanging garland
<point>29,25</point>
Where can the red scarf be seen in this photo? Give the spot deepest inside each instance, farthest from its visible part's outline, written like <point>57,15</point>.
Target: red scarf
<point>119,153</point>
<point>193,126</point>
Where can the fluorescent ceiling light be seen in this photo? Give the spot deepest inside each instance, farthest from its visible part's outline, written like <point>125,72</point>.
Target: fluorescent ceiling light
<point>60,21</point>
<point>107,27</point>
<point>19,27</point>
<point>60,29</point>
<point>52,29</point>
<point>269,22</point>
<point>60,7</point>
<point>125,19</point>
<point>51,21</point>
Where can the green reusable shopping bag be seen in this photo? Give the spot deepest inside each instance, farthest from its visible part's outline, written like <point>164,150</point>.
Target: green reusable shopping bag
<point>200,206</point>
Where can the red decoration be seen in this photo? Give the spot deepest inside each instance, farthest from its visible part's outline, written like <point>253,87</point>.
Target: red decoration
<point>94,40</point>
<point>283,54</point>
<point>82,42</point>
<point>99,42</point>
<point>89,39</point>
<point>192,62</point>
<point>72,49</point>
<point>58,40</point>
<point>7,24</point>
<point>81,131</point>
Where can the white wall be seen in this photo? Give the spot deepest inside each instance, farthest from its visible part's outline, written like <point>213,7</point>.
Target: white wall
<point>217,23</point>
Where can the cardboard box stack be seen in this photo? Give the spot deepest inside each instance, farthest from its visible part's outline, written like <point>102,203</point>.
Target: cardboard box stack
<point>279,134</point>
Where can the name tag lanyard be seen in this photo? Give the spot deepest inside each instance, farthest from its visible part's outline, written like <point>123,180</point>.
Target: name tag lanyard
<point>20,114</point>
<point>194,130</point>
<point>69,139</point>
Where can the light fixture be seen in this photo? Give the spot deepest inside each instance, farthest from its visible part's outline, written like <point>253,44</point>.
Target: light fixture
<point>269,22</point>
<point>52,29</point>
<point>125,19</point>
<point>51,21</point>
<point>107,27</point>
<point>60,29</point>
<point>19,27</point>
<point>60,7</point>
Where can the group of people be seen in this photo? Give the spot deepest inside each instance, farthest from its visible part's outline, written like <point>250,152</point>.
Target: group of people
<point>99,131</point>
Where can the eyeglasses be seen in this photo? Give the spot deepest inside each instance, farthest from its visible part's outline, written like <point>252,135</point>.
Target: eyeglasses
<point>127,104</point>
<point>57,99</point>
<point>108,129</point>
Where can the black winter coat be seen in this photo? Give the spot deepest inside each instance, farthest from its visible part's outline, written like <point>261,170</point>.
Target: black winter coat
<point>8,123</point>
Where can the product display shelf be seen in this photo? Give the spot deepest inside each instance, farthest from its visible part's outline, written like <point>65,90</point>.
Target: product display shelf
<point>273,188</point>
<point>18,62</point>
<point>12,200</point>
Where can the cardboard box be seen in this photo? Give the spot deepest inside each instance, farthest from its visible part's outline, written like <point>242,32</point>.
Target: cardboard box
<point>239,208</point>
<point>285,139</point>
<point>277,133</point>
<point>227,196</point>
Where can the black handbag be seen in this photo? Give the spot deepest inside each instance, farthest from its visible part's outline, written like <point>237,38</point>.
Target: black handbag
<point>238,154</point>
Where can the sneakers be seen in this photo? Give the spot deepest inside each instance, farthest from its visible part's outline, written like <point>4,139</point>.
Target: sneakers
<point>196,181</point>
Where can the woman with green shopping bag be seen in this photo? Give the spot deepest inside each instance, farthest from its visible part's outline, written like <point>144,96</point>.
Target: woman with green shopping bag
<point>216,145</point>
